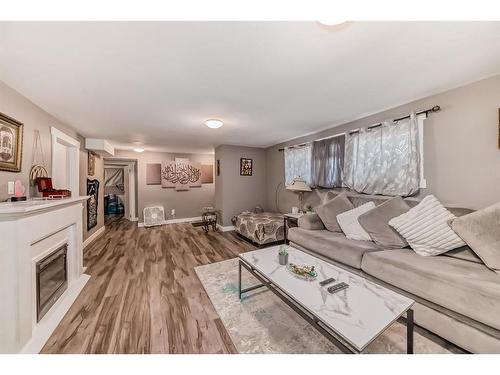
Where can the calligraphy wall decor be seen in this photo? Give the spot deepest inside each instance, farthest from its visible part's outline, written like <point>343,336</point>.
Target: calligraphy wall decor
<point>93,192</point>
<point>180,174</point>
<point>153,174</point>
<point>207,174</point>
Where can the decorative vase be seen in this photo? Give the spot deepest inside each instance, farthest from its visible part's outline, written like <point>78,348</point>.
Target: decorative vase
<point>283,258</point>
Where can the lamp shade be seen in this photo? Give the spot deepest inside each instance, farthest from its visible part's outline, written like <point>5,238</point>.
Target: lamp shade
<point>298,184</point>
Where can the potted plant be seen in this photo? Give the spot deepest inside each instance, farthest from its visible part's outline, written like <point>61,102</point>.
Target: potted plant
<point>283,255</point>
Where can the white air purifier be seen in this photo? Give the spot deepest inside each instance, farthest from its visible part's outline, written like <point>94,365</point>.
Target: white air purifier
<point>154,216</point>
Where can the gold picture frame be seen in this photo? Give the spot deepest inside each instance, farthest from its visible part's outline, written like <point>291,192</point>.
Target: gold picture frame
<point>11,144</point>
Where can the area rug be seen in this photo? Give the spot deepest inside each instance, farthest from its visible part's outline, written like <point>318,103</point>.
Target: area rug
<point>262,323</point>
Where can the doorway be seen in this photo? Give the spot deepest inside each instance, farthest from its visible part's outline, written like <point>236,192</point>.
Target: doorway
<point>120,187</point>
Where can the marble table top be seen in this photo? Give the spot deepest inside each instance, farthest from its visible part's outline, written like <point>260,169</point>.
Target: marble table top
<point>358,314</point>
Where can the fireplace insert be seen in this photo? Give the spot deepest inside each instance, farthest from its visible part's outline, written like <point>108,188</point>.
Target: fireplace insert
<point>51,280</point>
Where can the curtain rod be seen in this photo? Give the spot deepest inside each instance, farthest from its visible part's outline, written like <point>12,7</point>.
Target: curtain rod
<point>319,139</point>
<point>436,108</point>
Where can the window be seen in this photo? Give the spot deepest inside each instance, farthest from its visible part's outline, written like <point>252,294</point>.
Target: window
<point>298,163</point>
<point>385,159</point>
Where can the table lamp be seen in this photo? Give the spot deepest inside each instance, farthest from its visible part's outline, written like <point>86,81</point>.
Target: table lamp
<point>299,185</point>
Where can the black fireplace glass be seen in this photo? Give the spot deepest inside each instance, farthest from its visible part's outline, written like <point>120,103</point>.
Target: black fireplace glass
<point>51,279</point>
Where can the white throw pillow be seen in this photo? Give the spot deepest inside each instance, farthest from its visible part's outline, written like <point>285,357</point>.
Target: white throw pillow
<point>425,228</point>
<point>348,222</point>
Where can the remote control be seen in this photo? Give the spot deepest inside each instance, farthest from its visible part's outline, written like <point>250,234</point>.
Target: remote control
<point>337,287</point>
<point>327,281</point>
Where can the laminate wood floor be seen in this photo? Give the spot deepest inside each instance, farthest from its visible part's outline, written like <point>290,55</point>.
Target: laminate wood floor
<point>144,296</point>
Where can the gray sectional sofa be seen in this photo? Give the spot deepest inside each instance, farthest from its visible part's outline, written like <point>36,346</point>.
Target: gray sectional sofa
<point>457,296</point>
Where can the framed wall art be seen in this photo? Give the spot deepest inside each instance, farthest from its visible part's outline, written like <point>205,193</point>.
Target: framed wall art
<point>92,203</point>
<point>245,167</point>
<point>91,164</point>
<point>11,144</point>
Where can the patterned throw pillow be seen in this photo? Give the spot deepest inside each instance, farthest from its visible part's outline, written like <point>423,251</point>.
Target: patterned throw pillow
<point>425,228</point>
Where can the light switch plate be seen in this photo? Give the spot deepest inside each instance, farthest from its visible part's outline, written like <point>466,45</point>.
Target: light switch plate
<point>10,187</point>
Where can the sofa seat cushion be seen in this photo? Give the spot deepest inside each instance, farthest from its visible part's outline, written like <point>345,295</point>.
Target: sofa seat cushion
<point>332,245</point>
<point>468,288</point>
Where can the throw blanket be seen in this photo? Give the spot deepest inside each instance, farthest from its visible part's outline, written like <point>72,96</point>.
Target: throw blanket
<point>262,227</point>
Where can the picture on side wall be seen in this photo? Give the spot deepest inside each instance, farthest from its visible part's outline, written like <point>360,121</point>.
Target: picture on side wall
<point>11,144</point>
<point>92,203</point>
<point>218,167</point>
<point>245,167</point>
<point>90,164</point>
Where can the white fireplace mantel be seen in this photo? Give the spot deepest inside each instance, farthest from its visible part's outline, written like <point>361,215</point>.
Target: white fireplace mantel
<point>29,231</point>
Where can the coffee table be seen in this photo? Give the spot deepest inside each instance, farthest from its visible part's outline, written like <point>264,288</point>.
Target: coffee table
<point>351,319</point>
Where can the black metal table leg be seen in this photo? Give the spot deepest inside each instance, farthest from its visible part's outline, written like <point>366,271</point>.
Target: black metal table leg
<point>239,279</point>
<point>409,331</point>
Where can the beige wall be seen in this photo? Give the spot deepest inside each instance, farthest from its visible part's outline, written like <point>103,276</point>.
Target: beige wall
<point>33,117</point>
<point>235,193</point>
<point>15,105</point>
<point>462,159</point>
<point>187,203</point>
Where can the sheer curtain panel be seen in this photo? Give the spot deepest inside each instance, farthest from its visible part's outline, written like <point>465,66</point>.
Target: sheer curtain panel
<point>298,163</point>
<point>327,162</point>
<point>384,160</point>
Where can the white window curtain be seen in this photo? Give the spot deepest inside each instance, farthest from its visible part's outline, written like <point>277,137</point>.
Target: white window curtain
<point>298,163</point>
<point>384,160</point>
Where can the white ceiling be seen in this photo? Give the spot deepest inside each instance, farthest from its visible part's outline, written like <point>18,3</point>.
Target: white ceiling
<point>155,83</point>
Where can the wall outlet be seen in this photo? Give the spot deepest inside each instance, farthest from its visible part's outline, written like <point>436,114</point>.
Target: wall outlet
<point>10,187</point>
<point>172,212</point>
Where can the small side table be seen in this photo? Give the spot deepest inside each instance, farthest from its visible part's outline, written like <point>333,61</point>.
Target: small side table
<point>288,219</point>
<point>209,218</point>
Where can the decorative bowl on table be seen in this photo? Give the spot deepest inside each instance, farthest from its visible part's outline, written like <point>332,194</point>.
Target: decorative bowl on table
<point>307,273</point>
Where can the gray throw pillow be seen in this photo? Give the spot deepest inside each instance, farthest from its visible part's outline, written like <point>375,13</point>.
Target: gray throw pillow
<point>481,231</point>
<point>375,222</point>
<point>328,212</point>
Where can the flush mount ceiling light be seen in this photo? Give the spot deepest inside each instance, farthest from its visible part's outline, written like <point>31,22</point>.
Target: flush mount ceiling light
<point>138,149</point>
<point>214,123</point>
<point>333,25</point>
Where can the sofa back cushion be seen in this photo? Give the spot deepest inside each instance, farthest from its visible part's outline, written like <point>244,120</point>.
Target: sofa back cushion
<point>376,223</point>
<point>481,231</point>
<point>328,211</point>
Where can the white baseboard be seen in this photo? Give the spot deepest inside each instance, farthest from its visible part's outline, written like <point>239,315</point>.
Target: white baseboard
<point>134,219</point>
<point>229,228</point>
<point>176,221</point>
<point>94,236</point>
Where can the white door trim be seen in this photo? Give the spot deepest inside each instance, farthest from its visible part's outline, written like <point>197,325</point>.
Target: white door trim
<point>73,166</point>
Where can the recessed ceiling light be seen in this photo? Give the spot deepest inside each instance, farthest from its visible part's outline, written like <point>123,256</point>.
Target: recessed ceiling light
<point>138,149</point>
<point>214,123</point>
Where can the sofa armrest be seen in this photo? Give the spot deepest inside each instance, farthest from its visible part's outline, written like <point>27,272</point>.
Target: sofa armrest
<point>310,221</point>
